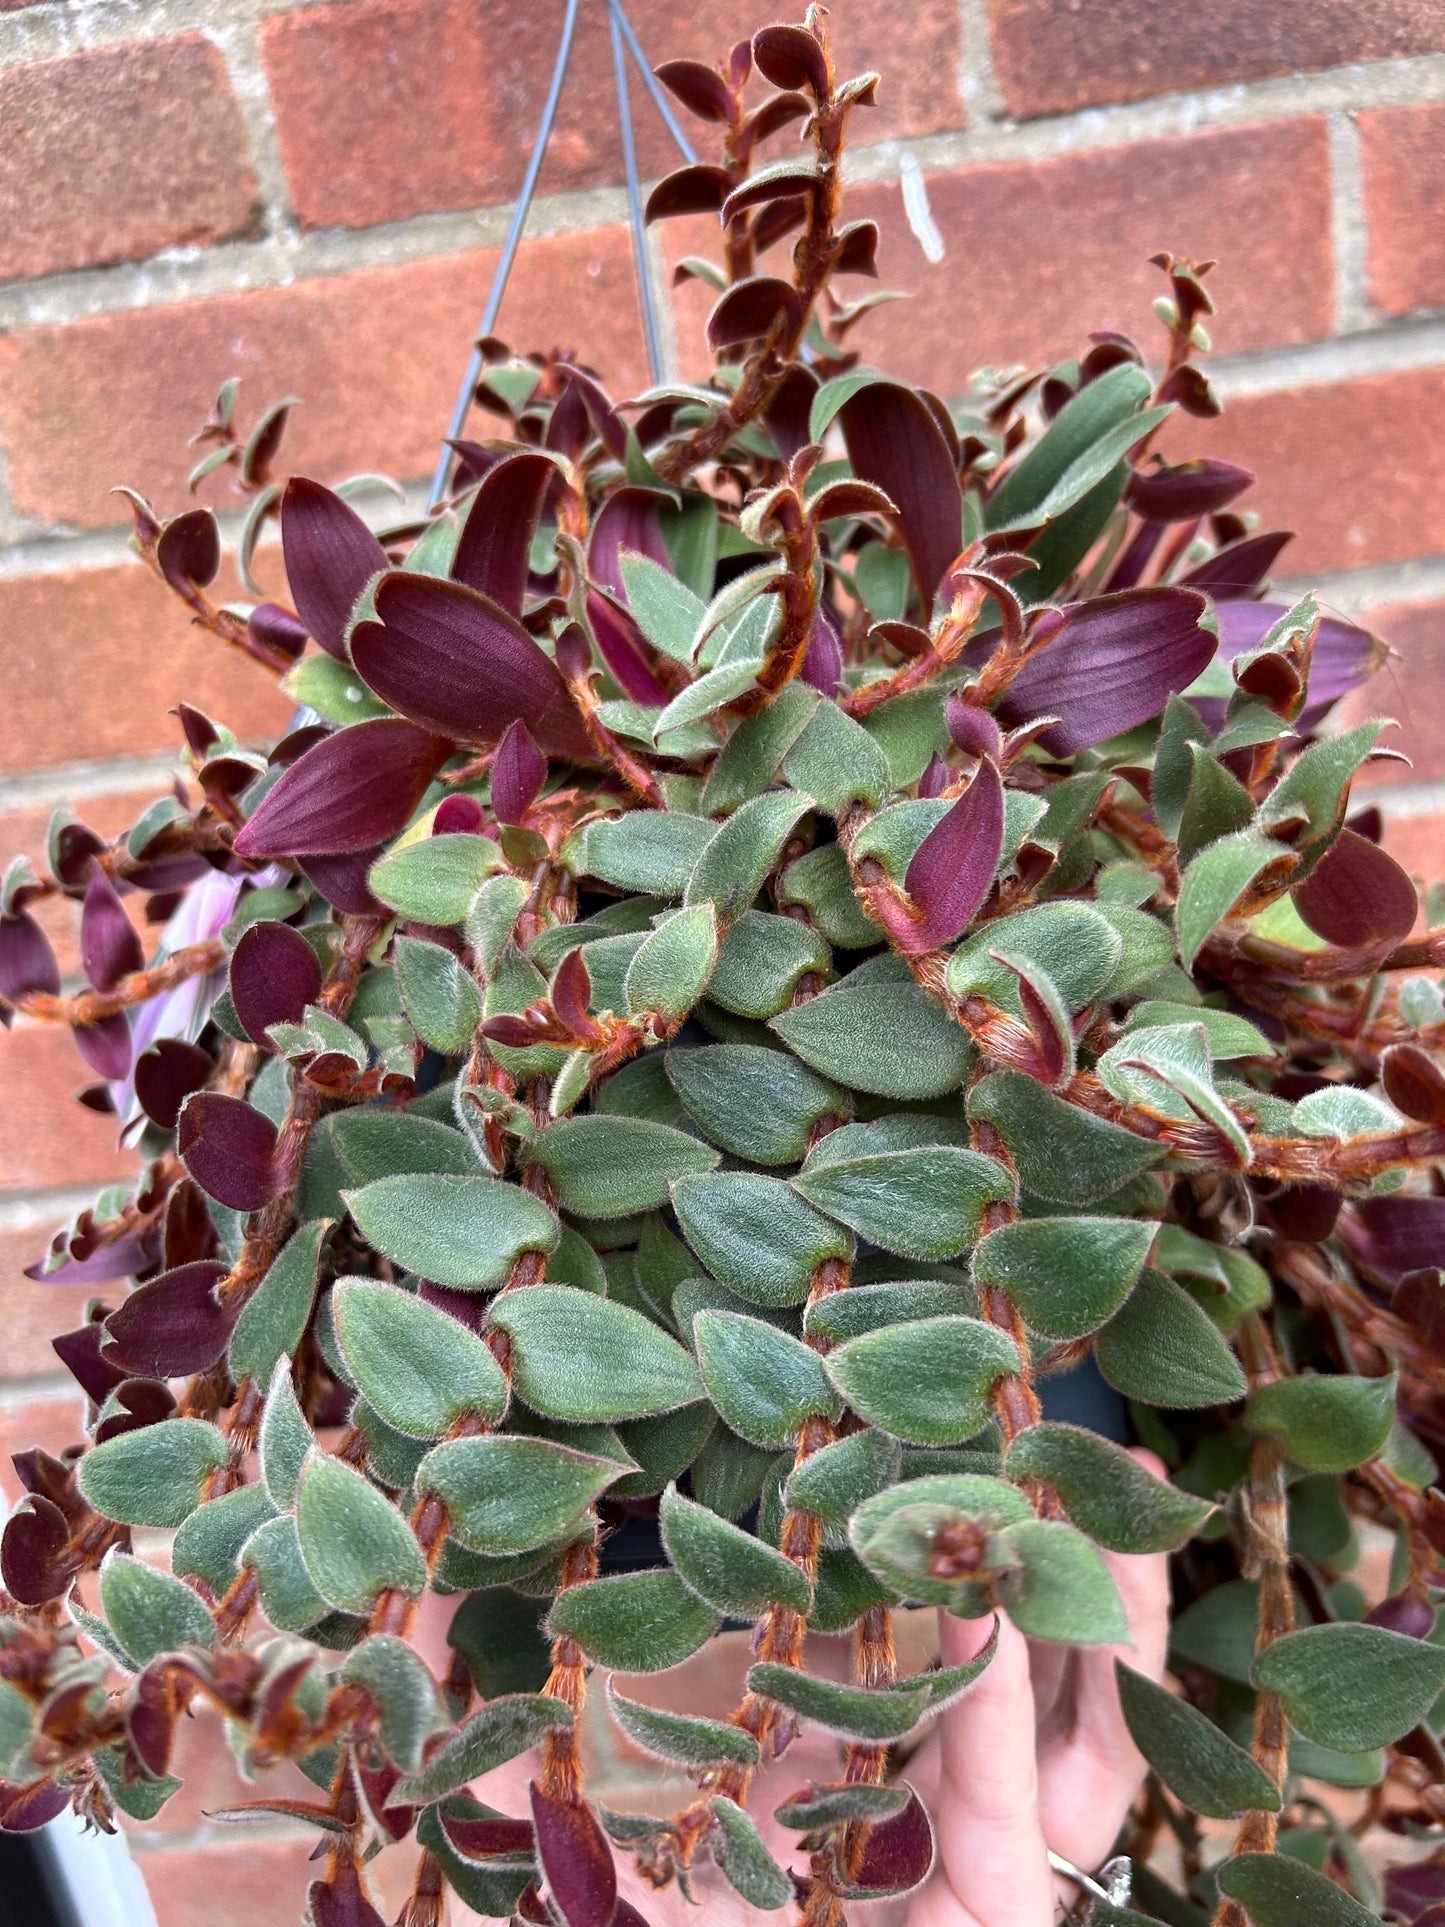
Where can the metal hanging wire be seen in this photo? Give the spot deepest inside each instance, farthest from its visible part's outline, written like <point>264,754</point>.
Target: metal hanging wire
<point>624,41</point>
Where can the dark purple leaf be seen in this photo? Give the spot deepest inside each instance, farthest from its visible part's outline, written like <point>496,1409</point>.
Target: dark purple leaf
<point>348,792</point>
<point>894,440</point>
<point>699,188</point>
<point>625,650</point>
<point>1408,1889</point>
<point>469,1308</point>
<point>189,1232</point>
<point>342,879</point>
<point>23,1809</point>
<point>974,730</point>
<point>330,557</point>
<point>609,425</point>
<point>1306,1211</point>
<point>519,769</point>
<point>79,1352</point>
<point>496,537</point>
<point>341,1901</point>
<point>200,732</point>
<point>952,868</point>
<point>628,523</point>
<point>792,185</point>
<point>702,90</point>
<point>456,662</point>
<point>275,974</point>
<point>106,1046</point>
<point>109,947</point>
<point>569,427</point>
<point>131,1250</point>
<point>1404,1234</point>
<point>858,248</point>
<point>171,1326</point>
<point>165,1076</point>
<point>1357,894</point>
<point>1405,1613</point>
<point>777,112</point>
<point>897,1853</point>
<point>152,1715</point>
<point>458,816</point>
<point>576,1860</point>
<point>188,549</point>
<point>1414,1083</point>
<point>31,1550</point>
<point>935,778</point>
<point>823,662</point>
<point>788,409</point>
<point>775,220</point>
<point>26,960</point>
<point>627,1915</point>
<point>490,1839</point>
<point>1187,492</point>
<point>141,1402</point>
<point>1111,663</point>
<point>748,310</point>
<point>1239,570</point>
<point>277,628</point>
<point>228,1148</point>
<point>1343,656</point>
<point>790,57</point>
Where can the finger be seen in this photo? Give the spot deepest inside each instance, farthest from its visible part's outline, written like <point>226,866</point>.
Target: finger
<point>990,1841</point>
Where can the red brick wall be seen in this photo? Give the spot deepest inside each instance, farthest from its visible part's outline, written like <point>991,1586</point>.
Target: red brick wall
<point>309,195</point>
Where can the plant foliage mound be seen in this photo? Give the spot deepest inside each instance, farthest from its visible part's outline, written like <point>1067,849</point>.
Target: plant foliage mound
<point>793,914</point>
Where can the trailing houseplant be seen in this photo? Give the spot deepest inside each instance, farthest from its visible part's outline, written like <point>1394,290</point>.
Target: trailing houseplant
<point>796,914</point>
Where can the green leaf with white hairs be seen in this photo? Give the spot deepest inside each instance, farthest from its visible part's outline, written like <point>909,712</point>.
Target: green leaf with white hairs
<point>1200,1765</point>
<point>289,1597</point>
<point>500,1732</point>
<point>1215,882</point>
<point>652,852</point>
<point>1075,947</point>
<point>856,1712</point>
<point>1059,1587</point>
<point>729,1569</point>
<point>492,918</point>
<point>355,1543</point>
<point>1352,1686</point>
<point>832,1483</point>
<point>1065,1276</point>
<point>440,997</point>
<point>744,1859</point>
<point>763,1381</point>
<point>1162,1349</point>
<point>149,1611</point>
<point>929,1382</point>
<point>760,1104</point>
<point>611,1167</point>
<point>1281,1891</point>
<point>753,754</point>
<point>508,1494</point>
<point>1325,1423</point>
<point>462,1231</point>
<point>153,1477</point>
<point>756,1234</point>
<point>922,1203</point>
<point>275,1316</point>
<point>735,865</point>
<point>209,1544</point>
<point>894,1533</point>
<point>1106,1491</point>
<point>284,1439</point>
<point>588,1359</point>
<point>1059,1151</point>
<point>666,610</point>
<point>433,879</point>
<point>634,1622</point>
<point>681,1739</point>
<point>887,1037</point>
<point>405,1693</point>
<point>670,969</point>
<point>420,1368</point>
<point>836,762</point>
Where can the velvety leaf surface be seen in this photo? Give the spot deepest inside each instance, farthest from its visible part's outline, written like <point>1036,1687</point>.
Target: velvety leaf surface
<point>635,1622</point>
<point>588,1359</point>
<point>1351,1686</point>
<point>927,1382</point>
<point>1066,1276</point>
<point>727,1568</point>
<point>420,1369</point>
<point>354,1541</point>
<point>509,1494</point>
<point>1198,1763</point>
<point>347,792</point>
<point>609,1167</point>
<point>1107,1493</point>
<point>459,1231</point>
<point>330,556</point>
<point>1281,1891</point>
<point>153,1477</point>
<point>763,1381</point>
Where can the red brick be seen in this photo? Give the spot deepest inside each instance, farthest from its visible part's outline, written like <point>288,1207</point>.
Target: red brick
<point>1418,842</point>
<point>1403,150</point>
<point>1350,465</point>
<point>1411,688</point>
<point>52,1423</point>
<point>113,154</point>
<point>387,108</point>
<point>97,658</point>
<point>1025,278</point>
<point>46,1140</point>
<point>35,1313</point>
<point>1051,56</point>
<point>206,1766</point>
<point>376,355</point>
<point>23,833</point>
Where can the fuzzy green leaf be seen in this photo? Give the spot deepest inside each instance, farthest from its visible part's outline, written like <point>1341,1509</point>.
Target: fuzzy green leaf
<point>760,962</point>
<point>759,1104</point>
<point>923,1203</point>
<point>928,1382</point>
<point>1327,1424</point>
<point>441,999</point>
<point>466,1232</point>
<point>289,1597</point>
<point>354,1541</point>
<point>857,1712</point>
<point>834,1482</point>
<point>1280,1891</point>
<point>508,1494</point>
<point>1352,1686</point>
<point>277,1313</point>
<point>419,1368</point>
<point>636,1622</point>
<point>284,1439</point>
<point>150,1612</point>
<point>152,1477</point>
<point>209,1544</point>
<point>1214,882</point>
<point>764,1382</point>
<point>1162,1349</point>
<point>487,1740</point>
<point>1064,1275</point>
<point>1107,1492</point>
<point>727,1568</point>
<point>1060,1152</point>
<point>837,763</point>
<point>746,1864</point>
<point>433,879</point>
<point>671,968</point>
<point>405,1693</point>
<point>886,1037</point>
<point>735,864</point>
<point>589,1359</point>
<point>681,1739</point>
<point>1062,1589</point>
<point>610,1167</point>
<point>1198,1763</point>
<point>651,852</point>
<point>756,1233</point>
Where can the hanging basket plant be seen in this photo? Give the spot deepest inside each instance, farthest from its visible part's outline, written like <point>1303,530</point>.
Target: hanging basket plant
<point>795,915</point>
